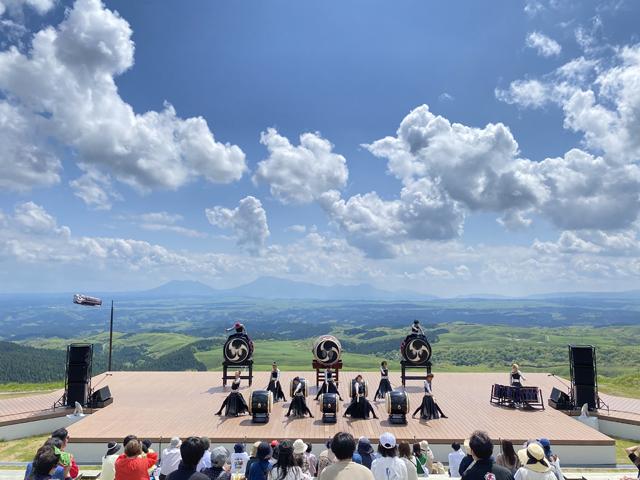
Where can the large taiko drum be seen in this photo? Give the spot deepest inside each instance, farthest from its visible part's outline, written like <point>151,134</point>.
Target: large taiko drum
<point>305,387</point>
<point>397,402</point>
<point>327,350</point>
<point>238,349</point>
<point>353,388</point>
<point>329,403</point>
<point>415,350</point>
<point>261,401</point>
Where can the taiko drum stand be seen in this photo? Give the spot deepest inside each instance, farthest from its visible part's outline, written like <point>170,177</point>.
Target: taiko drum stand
<point>243,366</point>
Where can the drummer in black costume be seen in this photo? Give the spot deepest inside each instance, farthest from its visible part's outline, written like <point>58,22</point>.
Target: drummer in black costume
<point>234,403</point>
<point>298,401</point>
<point>416,329</point>
<point>515,380</point>
<point>360,407</point>
<point>275,387</point>
<point>429,409</point>
<point>239,328</point>
<point>328,385</point>
<point>385,384</point>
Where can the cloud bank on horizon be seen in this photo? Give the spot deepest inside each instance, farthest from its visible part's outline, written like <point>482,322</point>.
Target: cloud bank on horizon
<point>460,207</point>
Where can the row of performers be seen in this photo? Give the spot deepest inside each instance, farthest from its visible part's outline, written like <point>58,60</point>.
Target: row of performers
<point>360,407</point>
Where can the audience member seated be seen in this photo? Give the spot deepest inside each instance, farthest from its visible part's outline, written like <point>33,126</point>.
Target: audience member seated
<point>326,458</point>
<point>260,469</point>
<point>484,467</point>
<point>170,458</point>
<point>108,471</point>
<point>422,467</point>
<point>366,452</point>
<point>467,460</point>
<point>634,455</point>
<point>343,446</point>
<point>554,460</point>
<point>388,465</point>
<point>286,468</point>
<point>63,435</point>
<point>508,458</point>
<point>219,468</point>
<point>455,458</point>
<point>191,451</point>
<point>59,473</point>
<point>45,462</point>
<point>252,458</point>
<point>205,461</point>
<point>311,460</point>
<point>434,467</point>
<point>134,464</point>
<point>406,454</point>
<point>535,465</point>
<point>239,459</point>
<point>299,451</point>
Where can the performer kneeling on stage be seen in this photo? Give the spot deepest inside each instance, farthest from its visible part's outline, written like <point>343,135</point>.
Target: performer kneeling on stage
<point>274,384</point>
<point>234,403</point>
<point>329,385</point>
<point>385,384</point>
<point>429,409</point>
<point>298,401</point>
<point>360,407</point>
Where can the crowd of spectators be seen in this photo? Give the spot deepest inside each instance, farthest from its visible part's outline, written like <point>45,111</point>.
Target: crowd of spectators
<point>344,458</point>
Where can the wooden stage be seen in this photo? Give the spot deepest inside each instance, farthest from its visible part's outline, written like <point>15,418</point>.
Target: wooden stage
<point>160,405</point>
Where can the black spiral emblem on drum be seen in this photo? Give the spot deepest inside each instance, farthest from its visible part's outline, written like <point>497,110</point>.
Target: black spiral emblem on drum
<point>237,350</point>
<point>328,352</point>
<point>416,350</point>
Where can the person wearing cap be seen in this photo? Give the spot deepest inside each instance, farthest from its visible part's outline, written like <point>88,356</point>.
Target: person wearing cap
<point>286,467</point>
<point>171,458</point>
<point>108,470</point>
<point>343,446</point>
<point>252,457</point>
<point>388,466</point>
<point>429,409</point>
<point>260,469</point>
<point>553,459</point>
<point>634,455</point>
<point>239,459</point>
<point>299,450</point>
<point>219,467</point>
<point>484,467</point>
<point>326,458</point>
<point>535,465</point>
<point>467,460</point>
<point>366,452</point>
<point>275,387</point>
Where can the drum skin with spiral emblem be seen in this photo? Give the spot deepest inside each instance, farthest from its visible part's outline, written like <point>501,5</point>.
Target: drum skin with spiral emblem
<point>329,403</point>
<point>261,401</point>
<point>305,387</point>
<point>416,350</point>
<point>397,402</point>
<point>238,349</point>
<point>327,350</point>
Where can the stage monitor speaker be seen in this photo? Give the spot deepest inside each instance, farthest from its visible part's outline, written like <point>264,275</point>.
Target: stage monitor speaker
<point>559,400</point>
<point>101,395</point>
<point>585,394</point>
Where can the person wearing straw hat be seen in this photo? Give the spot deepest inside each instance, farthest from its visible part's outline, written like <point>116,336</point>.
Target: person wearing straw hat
<point>171,458</point>
<point>535,465</point>
<point>108,471</point>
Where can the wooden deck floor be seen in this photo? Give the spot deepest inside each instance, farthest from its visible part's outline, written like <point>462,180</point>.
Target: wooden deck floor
<point>159,405</point>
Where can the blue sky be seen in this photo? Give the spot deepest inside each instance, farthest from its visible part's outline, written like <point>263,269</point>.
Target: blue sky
<point>511,181</point>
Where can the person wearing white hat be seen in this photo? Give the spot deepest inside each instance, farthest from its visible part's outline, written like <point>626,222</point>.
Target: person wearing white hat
<point>171,458</point>
<point>388,466</point>
<point>535,465</point>
<point>299,450</point>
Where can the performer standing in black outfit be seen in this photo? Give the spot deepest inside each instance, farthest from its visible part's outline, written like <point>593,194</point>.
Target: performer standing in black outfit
<point>515,380</point>
<point>429,409</point>
<point>385,384</point>
<point>328,385</point>
<point>275,387</point>
<point>298,401</point>
<point>360,407</point>
<point>235,403</point>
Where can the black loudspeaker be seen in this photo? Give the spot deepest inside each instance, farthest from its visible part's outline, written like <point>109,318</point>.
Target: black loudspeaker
<point>559,400</point>
<point>78,378</point>
<point>101,395</point>
<point>584,377</point>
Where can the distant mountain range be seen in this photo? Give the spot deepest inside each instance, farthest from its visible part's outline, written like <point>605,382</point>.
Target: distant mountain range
<point>280,288</point>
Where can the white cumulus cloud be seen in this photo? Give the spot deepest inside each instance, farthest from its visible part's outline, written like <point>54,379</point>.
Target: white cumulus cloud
<point>300,174</point>
<point>544,45</point>
<point>248,222</point>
